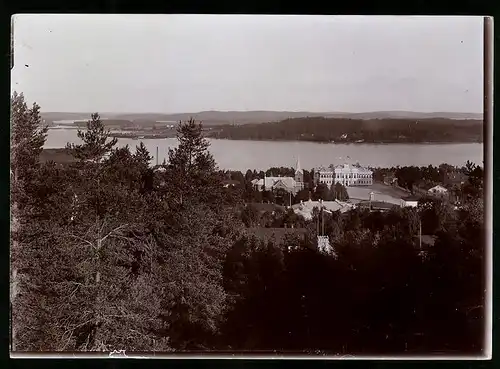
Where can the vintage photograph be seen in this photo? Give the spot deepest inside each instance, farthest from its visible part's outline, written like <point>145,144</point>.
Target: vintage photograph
<point>250,185</point>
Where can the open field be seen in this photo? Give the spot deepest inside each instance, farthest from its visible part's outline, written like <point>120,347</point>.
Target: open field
<point>381,192</point>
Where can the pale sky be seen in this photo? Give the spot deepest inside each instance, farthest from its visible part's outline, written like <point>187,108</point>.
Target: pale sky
<point>175,64</point>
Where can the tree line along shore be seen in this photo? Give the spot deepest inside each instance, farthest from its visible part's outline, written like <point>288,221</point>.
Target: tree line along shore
<point>316,129</point>
<point>336,130</point>
<point>110,253</point>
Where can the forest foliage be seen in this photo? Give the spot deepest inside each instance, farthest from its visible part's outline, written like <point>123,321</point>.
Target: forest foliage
<point>341,130</point>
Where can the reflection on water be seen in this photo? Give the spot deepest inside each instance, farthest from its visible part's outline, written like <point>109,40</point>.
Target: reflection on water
<point>242,155</point>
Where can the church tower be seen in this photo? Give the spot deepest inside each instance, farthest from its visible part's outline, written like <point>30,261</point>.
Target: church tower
<point>299,175</point>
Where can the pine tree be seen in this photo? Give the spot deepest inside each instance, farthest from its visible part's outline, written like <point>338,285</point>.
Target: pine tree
<point>142,155</point>
<point>27,140</point>
<point>339,192</point>
<point>192,155</point>
<point>193,172</point>
<point>93,280</point>
<point>28,136</point>
<point>95,141</point>
<point>193,239</point>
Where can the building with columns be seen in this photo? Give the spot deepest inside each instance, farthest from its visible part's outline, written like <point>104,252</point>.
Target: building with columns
<point>346,174</point>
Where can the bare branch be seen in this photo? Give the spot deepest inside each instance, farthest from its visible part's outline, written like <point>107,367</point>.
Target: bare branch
<point>67,341</point>
<point>112,232</point>
<point>82,239</point>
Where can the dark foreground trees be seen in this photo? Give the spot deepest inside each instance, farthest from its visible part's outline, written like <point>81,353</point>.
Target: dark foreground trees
<point>27,139</point>
<point>381,295</point>
<point>114,254</point>
<point>114,261</point>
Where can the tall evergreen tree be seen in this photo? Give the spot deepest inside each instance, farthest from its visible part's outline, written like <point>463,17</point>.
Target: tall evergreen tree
<point>193,171</point>
<point>28,136</point>
<point>27,140</point>
<point>339,191</point>
<point>142,155</point>
<point>191,156</point>
<point>96,141</point>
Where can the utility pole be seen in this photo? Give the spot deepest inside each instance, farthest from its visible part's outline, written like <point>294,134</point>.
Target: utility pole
<point>156,155</point>
<point>317,225</point>
<point>420,232</point>
<point>322,222</point>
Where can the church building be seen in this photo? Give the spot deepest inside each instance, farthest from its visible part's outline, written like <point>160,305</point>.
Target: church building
<point>288,184</point>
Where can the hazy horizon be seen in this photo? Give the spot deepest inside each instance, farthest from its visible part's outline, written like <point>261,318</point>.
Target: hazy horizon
<point>173,64</point>
<point>257,110</point>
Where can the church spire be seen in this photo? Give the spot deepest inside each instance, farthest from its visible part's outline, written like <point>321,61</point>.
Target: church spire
<point>298,169</point>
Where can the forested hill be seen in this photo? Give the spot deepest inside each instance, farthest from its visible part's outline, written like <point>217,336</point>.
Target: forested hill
<point>321,129</point>
<point>211,118</point>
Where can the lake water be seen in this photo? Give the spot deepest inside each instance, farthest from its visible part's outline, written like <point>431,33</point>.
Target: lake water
<point>260,155</point>
<point>68,121</point>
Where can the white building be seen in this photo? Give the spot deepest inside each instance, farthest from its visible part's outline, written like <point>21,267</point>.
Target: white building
<point>409,202</point>
<point>347,175</point>
<point>325,247</point>
<point>306,208</point>
<point>274,183</point>
<point>438,190</point>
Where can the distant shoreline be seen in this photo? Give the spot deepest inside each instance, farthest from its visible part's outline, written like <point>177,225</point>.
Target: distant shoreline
<point>145,135</point>
<point>353,142</point>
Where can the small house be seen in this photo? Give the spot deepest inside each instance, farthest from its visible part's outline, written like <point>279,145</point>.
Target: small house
<point>438,190</point>
<point>409,201</point>
<point>287,184</point>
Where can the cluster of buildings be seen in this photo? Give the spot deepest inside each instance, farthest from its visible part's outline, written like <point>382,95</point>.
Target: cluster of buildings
<point>360,187</point>
<point>346,174</point>
<point>306,208</point>
<point>359,183</point>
